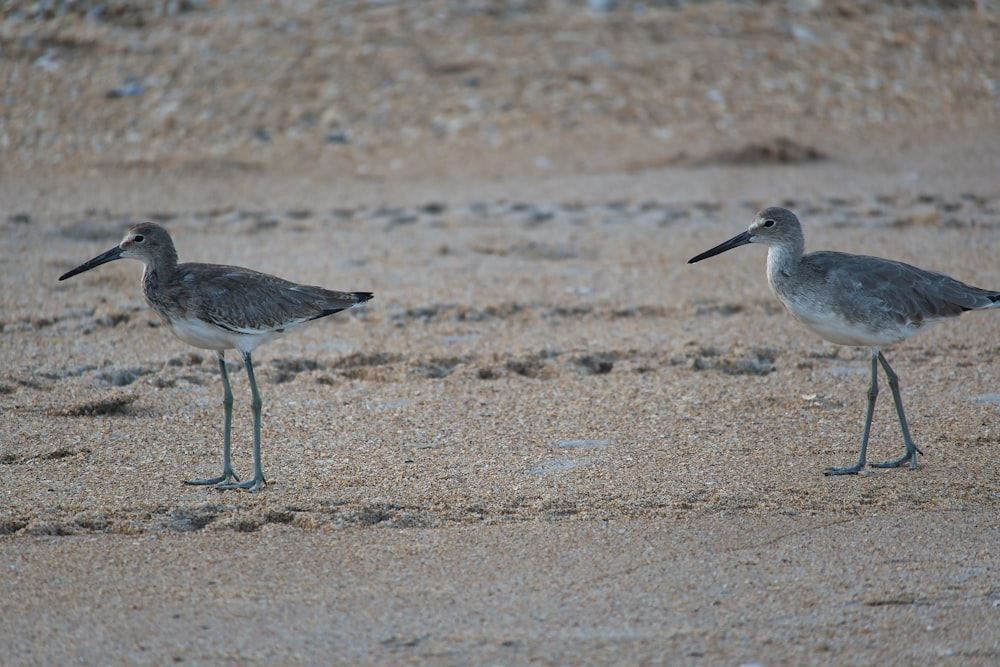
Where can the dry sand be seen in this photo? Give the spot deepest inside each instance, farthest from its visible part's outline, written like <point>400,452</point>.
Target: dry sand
<point>548,440</point>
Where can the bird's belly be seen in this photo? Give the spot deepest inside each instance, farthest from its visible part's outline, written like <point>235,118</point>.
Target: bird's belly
<point>206,335</point>
<point>843,330</point>
<point>847,328</point>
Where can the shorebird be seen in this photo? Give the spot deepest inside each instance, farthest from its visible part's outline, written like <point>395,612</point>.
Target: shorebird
<point>856,300</point>
<point>219,308</point>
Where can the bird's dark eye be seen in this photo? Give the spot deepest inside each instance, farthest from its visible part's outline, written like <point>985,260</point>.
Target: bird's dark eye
<point>139,238</point>
<point>769,223</point>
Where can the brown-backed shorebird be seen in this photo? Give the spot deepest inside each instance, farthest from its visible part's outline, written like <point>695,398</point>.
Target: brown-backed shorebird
<point>219,308</point>
<point>856,300</point>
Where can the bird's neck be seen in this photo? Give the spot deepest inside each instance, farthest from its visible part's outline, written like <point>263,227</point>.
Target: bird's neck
<point>152,279</point>
<point>782,262</point>
<point>158,273</point>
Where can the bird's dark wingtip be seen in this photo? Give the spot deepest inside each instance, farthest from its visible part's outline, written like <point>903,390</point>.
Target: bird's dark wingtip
<point>363,296</point>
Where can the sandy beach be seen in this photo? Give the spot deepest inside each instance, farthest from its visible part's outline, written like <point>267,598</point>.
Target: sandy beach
<point>548,440</point>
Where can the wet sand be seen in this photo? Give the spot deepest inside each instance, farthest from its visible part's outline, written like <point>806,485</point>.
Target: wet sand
<point>548,440</point>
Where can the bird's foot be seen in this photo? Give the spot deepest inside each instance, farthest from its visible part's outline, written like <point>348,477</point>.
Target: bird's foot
<point>251,485</point>
<point>849,470</point>
<point>911,456</point>
<point>224,478</point>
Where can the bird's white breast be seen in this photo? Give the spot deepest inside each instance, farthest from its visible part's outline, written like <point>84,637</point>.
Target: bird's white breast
<point>839,328</point>
<point>209,336</point>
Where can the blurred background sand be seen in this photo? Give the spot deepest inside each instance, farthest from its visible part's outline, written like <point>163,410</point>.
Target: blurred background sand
<point>547,440</point>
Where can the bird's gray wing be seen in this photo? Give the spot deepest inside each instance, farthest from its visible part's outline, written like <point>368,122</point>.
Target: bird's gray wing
<point>902,292</point>
<point>248,301</point>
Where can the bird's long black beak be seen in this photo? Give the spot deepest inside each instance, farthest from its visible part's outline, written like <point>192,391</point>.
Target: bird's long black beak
<point>735,242</point>
<point>103,258</point>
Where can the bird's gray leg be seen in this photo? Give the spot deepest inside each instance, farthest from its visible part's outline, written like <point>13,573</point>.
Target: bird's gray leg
<point>911,449</point>
<point>872,395</point>
<point>227,403</point>
<point>258,480</point>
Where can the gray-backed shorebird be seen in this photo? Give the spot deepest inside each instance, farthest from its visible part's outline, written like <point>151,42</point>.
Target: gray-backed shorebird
<point>856,300</point>
<point>219,308</point>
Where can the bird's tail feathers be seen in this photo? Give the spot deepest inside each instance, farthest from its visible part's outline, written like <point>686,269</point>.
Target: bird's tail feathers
<point>362,296</point>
